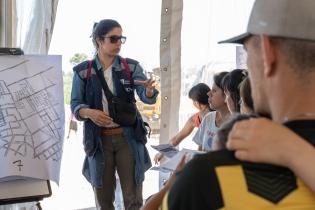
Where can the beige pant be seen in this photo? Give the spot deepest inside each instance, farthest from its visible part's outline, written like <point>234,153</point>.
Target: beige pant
<point>118,155</point>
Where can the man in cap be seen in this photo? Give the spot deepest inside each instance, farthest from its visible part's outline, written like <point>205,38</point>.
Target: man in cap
<point>280,42</point>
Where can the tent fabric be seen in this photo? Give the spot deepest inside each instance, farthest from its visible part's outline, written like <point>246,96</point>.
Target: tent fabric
<point>7,23</point>
<point>170,64</point>
<point>36,40</point>
<point>40,27</point>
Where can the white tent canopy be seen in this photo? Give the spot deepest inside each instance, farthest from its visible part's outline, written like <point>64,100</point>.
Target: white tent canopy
<point>189,32</point>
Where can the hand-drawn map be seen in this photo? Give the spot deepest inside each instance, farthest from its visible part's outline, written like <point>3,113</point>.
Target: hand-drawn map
<point>31,117</point>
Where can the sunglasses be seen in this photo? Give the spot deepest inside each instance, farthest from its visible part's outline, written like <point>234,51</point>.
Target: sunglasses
<point>114,39</point>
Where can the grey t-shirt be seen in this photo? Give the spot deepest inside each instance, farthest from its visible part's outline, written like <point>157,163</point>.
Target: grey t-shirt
<point>206,132</point>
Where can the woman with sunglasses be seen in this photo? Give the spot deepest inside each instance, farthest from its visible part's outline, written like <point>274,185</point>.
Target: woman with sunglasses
<point>111,144</point>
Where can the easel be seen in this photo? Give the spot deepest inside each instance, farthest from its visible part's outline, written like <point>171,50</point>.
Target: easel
<point>22,190</point>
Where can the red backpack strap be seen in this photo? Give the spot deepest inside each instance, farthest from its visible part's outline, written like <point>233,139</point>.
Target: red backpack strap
<point>127,70</point>
<point>88,74</point>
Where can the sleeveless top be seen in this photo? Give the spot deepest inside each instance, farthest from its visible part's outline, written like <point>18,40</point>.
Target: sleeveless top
<point>197,120</point>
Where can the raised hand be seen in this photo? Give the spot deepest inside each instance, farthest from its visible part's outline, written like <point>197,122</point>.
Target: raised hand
<point>148,84</point>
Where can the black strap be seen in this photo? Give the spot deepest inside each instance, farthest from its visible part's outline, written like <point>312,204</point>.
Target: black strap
<point>109,95</point>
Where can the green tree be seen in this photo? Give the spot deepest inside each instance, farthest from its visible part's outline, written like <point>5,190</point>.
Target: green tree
<point>67,84</point>
<point>67,77</point>
<point>78,58</point>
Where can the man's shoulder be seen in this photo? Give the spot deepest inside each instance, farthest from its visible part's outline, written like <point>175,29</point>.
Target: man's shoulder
<point>198,180</point>
<point>216,158</point>
<point>258,178</point>
<point>225,157</point>
<point>222,176</point>
<point>304,128</point>
<point>201,169</point>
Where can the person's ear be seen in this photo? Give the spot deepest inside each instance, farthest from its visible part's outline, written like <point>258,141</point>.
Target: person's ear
<point>268,54</point>
<point>99,41</point>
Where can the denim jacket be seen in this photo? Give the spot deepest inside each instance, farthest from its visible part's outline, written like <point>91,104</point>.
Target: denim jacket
<point>93,165</point>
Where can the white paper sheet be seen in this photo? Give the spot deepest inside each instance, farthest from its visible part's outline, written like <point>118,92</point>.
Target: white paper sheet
<point>171,164</point>
<point>167,150</point>
<point>31,117</point>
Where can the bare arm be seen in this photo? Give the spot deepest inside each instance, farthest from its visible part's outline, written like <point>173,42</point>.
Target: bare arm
<point>179,137</point>
<point>184,132</point>
<point>303,163</point>
<point>261,140</point>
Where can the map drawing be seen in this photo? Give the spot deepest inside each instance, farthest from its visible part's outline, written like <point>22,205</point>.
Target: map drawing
<point>31,116</point>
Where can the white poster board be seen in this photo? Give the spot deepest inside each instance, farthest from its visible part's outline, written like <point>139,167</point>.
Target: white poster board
<point>31,124</point>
